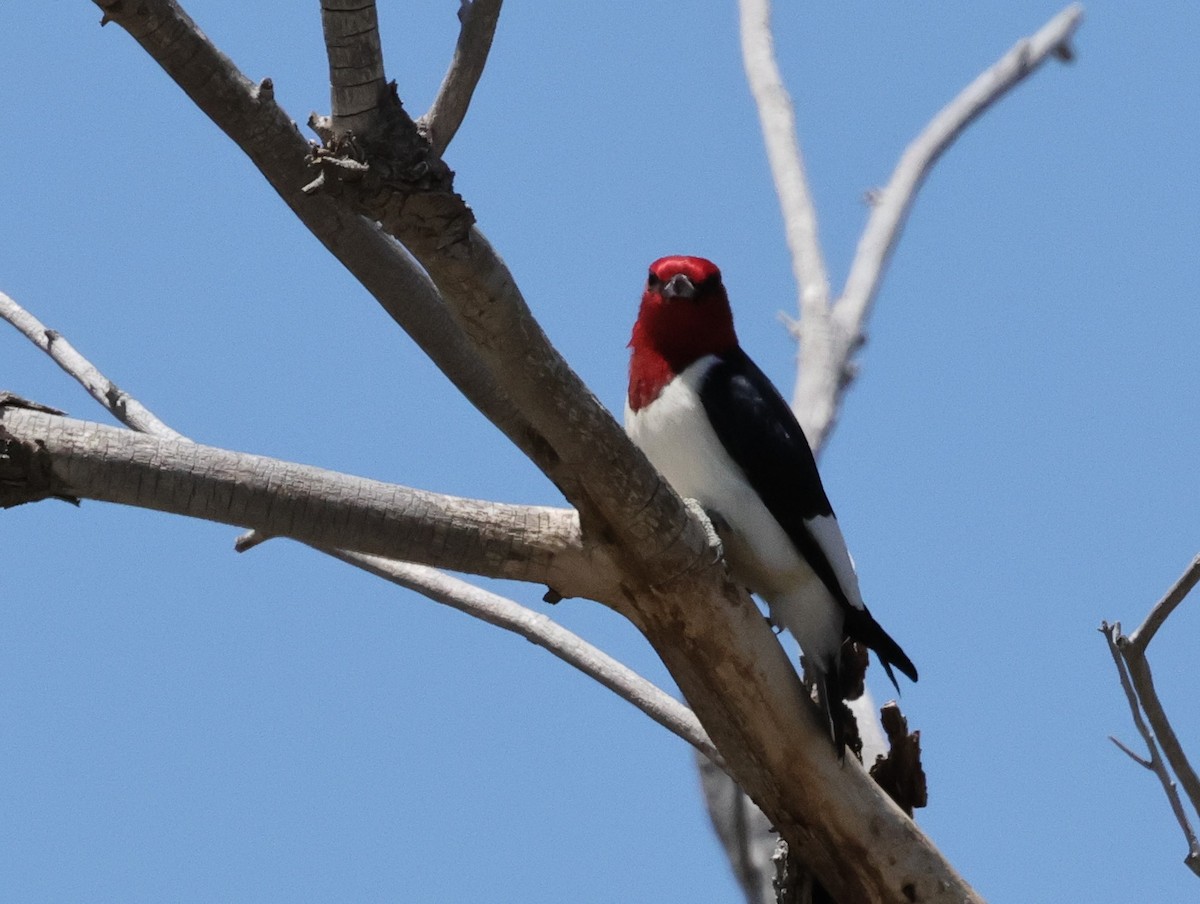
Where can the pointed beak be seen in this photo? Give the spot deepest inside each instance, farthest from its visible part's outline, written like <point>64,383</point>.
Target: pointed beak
<point>678,286</point>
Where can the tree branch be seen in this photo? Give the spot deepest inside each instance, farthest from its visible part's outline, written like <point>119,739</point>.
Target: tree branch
<point>124,407</point>
<point>357,86</point>
<point>777,118</point>
<point>755,691</point>
<point>108,464</point>
<point>538,629</point>
<point>1133,670</point>
<point>1140,639</point>
<point>441,122</point>
<point>891,207</point>
<point>827,351</point>
<point>558,423</point>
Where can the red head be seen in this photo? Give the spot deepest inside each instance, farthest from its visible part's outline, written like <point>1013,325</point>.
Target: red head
<point>684,316</point>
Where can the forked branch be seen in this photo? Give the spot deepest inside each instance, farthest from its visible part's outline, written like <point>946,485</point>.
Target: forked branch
<point>248,113</point>
<point>1166,758</point>
<point>830,333</point>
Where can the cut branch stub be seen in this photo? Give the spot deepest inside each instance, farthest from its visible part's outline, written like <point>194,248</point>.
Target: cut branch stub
<point>25,471</point>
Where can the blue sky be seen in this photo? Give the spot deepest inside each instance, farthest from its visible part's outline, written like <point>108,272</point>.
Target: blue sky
<point>1016,463</point>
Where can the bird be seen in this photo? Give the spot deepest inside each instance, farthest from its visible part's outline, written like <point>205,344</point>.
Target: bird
<point>719,432</point>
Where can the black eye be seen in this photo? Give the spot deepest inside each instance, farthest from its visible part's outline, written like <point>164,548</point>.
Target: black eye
<point>653,282</point>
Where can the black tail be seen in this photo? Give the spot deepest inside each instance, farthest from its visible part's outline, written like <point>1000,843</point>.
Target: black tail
<point>861,627</point>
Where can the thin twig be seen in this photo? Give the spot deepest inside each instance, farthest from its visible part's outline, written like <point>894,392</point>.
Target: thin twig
<point>124,407</point>
<point>1140,639</point>
<point>449,108</point>
<point>437,586</point>
<point>542,631</point>
<point>1141,761</point>
<point>896,199</point>
<point>1133,670</point>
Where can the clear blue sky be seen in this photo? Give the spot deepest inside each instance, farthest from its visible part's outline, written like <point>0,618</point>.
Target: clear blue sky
<point>1017,462</point>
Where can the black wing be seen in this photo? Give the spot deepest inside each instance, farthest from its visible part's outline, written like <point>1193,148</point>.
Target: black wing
<point>762,436</point>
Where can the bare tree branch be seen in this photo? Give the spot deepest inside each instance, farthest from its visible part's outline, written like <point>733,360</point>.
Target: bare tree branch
<point>1154,762</point>
<point>1134,654</point>
<point>777,117</point>
<point>829,339</point>
<point>890,208</point>
<point>323,508</point>
<point>357,86</point>
<point>1133,669</point>
<point>1140,639</point>
<point>538,629</point>
<point>559,424</point>
<point>482,604</point>
<point>249,115</point>
<point>754,692</point>
<point>441,122</point>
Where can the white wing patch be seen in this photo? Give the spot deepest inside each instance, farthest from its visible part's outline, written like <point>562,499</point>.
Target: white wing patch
<point>829,537</point>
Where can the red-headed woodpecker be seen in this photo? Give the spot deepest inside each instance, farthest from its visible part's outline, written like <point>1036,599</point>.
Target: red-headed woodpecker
<point>713,425</point>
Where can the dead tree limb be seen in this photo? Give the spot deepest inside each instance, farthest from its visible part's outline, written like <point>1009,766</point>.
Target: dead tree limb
<point>1166,758</point>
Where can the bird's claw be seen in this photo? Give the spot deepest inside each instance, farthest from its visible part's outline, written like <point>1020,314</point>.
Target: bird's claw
<point>713,525</point>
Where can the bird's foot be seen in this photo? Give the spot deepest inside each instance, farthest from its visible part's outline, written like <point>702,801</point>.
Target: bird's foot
<point>713,525</point>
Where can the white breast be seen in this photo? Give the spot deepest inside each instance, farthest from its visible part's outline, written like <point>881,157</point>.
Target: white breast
<point>677,437</point>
